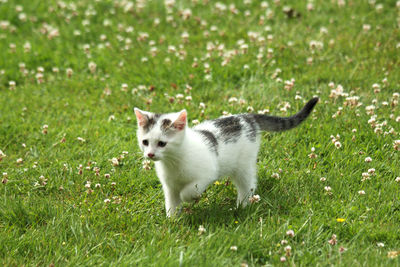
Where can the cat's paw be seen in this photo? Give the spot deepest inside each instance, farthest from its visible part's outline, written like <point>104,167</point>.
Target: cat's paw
<point>190,194</point>
<point>172,214</point>
<point>190,198</point>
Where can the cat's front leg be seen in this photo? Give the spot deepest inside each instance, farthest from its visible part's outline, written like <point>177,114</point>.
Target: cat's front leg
<point>172,201</point>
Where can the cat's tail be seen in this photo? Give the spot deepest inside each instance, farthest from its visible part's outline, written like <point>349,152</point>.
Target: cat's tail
<point>276,124</point>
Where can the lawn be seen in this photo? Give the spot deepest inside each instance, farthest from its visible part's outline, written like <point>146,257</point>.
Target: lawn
<point>77,191</point>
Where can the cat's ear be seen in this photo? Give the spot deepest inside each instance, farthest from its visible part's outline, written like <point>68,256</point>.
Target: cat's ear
<point>181,121</point>
<point>141,117</point>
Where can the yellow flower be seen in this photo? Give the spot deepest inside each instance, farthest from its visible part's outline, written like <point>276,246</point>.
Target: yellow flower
<point>217,183</point>
<point>236,222</point>
<point>340,220</point>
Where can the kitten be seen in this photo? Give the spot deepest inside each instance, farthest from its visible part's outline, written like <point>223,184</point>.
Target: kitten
<point>187,159</point>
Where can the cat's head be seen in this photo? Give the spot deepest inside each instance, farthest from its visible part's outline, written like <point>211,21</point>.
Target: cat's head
<point>159,134</point>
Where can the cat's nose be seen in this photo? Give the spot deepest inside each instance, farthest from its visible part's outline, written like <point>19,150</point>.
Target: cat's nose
<point>150,155</point>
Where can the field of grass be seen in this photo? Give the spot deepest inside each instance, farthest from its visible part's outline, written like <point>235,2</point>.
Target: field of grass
<point>75,188</point>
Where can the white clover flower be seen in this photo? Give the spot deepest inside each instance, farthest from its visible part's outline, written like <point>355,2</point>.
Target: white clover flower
<point>185,36</point>
<point>202,230</point>
<point>368,159</point>
<point>290,233</point>
<point>338,144</point>
<point>92,67</point>
<point>69,72</point>
<point>27,47</point>
<point>186,14</point>
<point>111,118</point>
<point>275,175</point>
<point>208,77</point>
<point>254,199</point>
<point>365,175</point>
<point>366,27</point>
<point>114,162</point>
<point>146,164</point>
<point>233,248</point>
<point>4,24</point>
<point>107,200</point>
<point>361,192</point>
<point>333,240</point>
<point>264,111</point>
<point>396,145</point>
<point>12,85</point>
<point>328,188</point>
<point>316,45</point>
<point>232,99</point>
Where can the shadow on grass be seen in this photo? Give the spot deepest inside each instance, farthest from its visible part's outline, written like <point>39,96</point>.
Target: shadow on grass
<point>274,202</point>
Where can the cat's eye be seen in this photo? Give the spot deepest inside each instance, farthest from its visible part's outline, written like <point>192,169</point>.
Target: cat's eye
<point>145,142</point>
<point>162,144</point>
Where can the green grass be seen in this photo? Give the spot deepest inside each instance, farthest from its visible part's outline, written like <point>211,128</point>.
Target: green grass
<point>61,222</point>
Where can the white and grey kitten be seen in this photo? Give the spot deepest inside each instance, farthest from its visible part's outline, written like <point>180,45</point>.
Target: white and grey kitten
<point>187,159</point>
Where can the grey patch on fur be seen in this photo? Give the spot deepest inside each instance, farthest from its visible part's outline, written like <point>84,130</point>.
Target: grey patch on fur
<point>211,140</point>
<point>276,124</point>
<point>229,128</point>
<point>165,124</point>
<point>251,128</point>
<point>151,121</point>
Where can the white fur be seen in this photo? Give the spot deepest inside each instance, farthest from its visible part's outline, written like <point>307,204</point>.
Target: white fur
<point>186,166</point>
<point>188,160</point>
